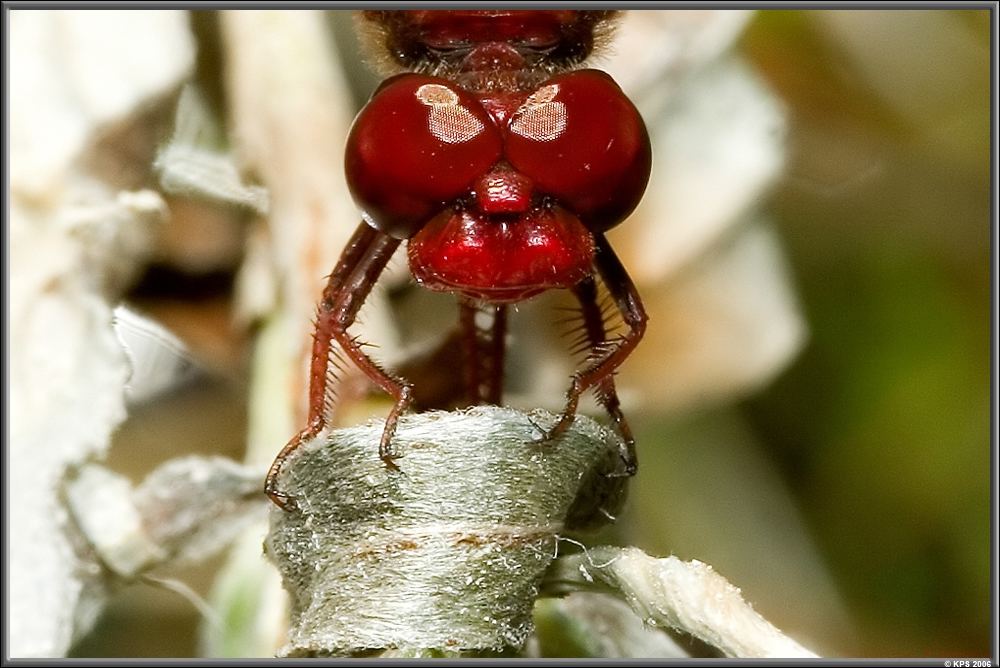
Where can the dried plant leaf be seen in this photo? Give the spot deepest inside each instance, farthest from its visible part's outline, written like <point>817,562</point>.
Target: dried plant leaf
<point>77,78</point>
<point>687,596</point>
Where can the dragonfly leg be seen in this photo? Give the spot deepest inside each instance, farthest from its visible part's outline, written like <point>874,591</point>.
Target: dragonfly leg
<point>606,356</point>
<point>350,283</point>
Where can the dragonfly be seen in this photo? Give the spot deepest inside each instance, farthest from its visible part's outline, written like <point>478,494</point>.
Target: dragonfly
<point>501,161</point>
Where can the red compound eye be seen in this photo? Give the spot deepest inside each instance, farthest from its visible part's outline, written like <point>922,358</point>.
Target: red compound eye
<point>419,143</point>
<point>582,141</point>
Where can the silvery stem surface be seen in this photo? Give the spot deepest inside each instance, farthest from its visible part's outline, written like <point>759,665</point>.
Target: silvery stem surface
<point>445,554</point>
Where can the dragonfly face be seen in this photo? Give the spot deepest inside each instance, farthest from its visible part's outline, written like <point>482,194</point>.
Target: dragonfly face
<point>501,164</point>
<point>499,173</point>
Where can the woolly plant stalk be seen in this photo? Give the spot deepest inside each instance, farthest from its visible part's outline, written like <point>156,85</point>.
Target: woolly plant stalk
<point>446,554</point>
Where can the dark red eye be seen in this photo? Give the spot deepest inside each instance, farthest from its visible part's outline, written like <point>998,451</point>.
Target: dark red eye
<point>418,144</point>
<point>582,141</point>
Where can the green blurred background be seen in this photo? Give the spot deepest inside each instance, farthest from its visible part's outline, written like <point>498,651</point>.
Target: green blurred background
<point>880,430</point>
<point>882,425</point>
<point>850,498</point>
<point>864,469</point>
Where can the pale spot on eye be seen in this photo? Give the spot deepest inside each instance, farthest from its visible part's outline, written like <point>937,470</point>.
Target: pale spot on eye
<point>435,94</point>
<point>539,118</point>
<point>448,121</point>
<point>543,95</point>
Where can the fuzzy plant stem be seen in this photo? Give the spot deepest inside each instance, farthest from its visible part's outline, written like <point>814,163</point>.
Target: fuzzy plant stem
<point>444,556</point>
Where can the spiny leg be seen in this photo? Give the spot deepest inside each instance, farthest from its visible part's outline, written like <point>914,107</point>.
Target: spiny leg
<point>349,284</point>
<point>353,294</point>
<point>594,331</point>
<point>319,366</point>
<point>602,364</point>
<point>319,372</point>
